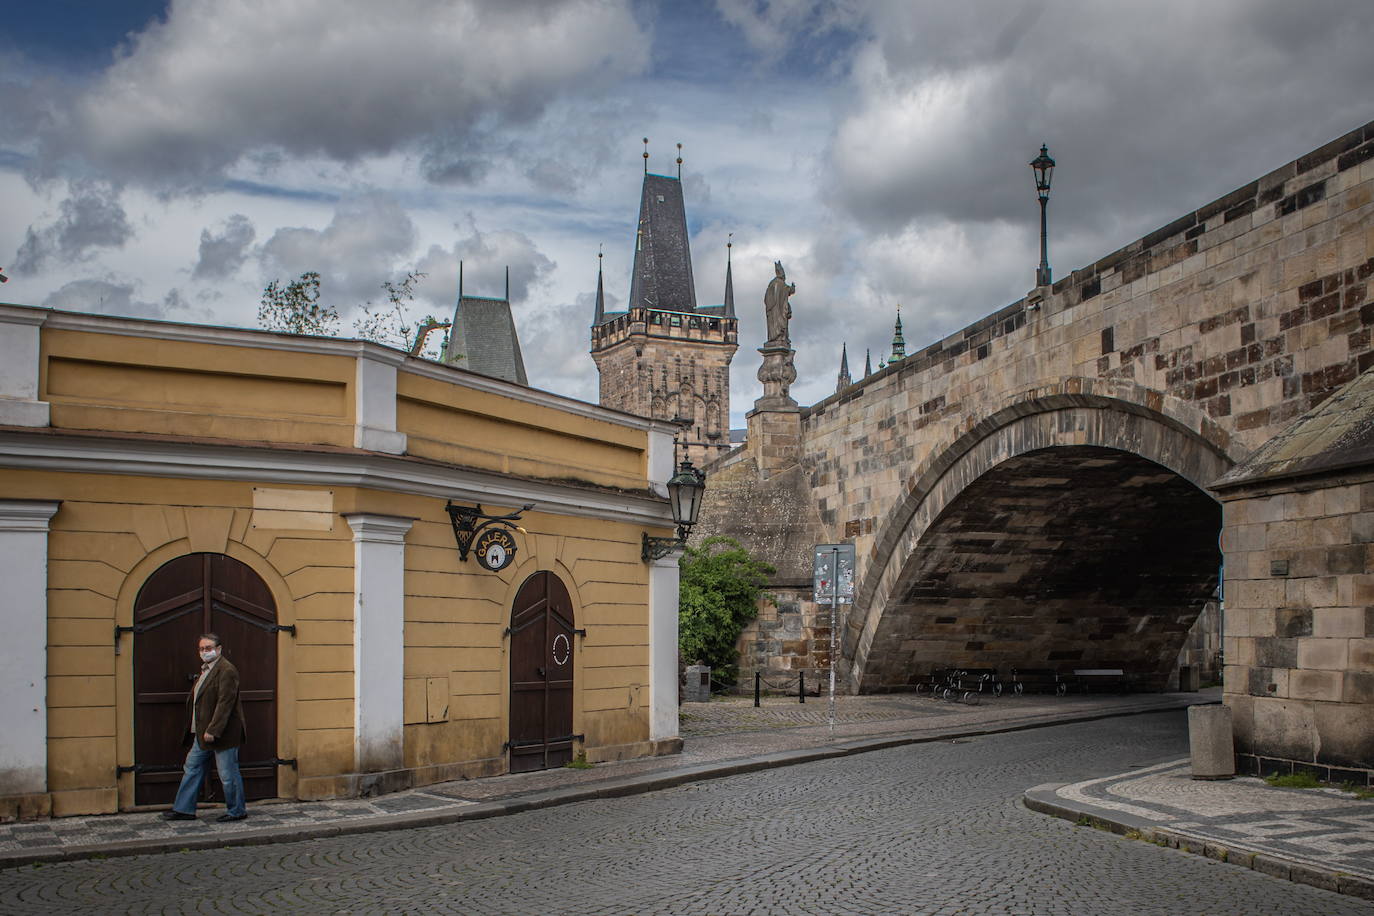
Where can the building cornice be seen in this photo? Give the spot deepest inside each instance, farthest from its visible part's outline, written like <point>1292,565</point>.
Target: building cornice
<point>59,452</point>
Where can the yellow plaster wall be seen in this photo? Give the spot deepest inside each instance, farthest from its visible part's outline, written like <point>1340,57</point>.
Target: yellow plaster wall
<point>476,429</point>
<point>158,386</point>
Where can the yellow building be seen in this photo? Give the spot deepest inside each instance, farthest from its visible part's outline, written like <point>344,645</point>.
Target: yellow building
<point>291,494</point>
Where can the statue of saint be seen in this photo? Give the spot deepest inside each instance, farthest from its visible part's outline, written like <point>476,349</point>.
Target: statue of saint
<point>777,309</point>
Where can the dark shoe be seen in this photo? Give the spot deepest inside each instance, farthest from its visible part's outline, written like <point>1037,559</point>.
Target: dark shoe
<point>177,816</point>
<point>224,818</point>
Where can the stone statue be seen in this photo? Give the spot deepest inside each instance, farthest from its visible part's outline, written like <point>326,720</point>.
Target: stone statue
<point>777,309</point>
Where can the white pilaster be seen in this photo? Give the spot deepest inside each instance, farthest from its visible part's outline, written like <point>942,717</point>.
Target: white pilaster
<point>378,640</point>
<point>19,356</point>
<point>24,650</point>
<point>375,406</point>
<point>660,460</point>
<point>663,675</point>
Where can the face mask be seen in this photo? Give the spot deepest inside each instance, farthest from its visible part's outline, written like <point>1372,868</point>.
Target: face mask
<point>209,655</point>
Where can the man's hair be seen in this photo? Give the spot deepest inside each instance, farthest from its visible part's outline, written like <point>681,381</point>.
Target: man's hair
<point>212,637</point>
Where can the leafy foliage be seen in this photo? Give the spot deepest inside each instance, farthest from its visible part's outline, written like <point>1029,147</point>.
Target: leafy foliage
<point>391,325</point>
<point>721,585</point>
<point>295,308</point>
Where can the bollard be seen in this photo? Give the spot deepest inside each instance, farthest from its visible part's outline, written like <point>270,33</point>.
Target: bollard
<point>801,686</point>
<point>757,677</point>
<point>1210,742</point>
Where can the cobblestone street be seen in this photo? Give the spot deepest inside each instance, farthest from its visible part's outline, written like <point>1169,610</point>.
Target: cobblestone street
<point>929,828</point>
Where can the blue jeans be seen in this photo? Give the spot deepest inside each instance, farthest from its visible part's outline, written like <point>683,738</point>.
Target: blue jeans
<point>193,776</point>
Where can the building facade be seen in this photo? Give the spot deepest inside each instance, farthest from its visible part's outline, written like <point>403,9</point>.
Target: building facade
<point>664,356</point>
<point>159,480</point>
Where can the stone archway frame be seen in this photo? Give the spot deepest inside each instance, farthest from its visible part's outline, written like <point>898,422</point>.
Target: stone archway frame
<point>1184,442</point>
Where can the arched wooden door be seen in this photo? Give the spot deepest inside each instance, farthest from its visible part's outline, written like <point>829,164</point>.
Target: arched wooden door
<point>541,675</point>
<point>195,594</point>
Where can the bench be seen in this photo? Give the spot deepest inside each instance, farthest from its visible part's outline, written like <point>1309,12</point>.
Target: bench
<point>1091,679</point>
<point>1038,680</point>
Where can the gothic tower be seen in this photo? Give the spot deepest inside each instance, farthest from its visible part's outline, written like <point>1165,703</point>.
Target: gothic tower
<point>665,356</point>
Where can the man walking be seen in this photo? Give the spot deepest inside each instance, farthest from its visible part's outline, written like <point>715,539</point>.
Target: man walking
<point>216,729</point>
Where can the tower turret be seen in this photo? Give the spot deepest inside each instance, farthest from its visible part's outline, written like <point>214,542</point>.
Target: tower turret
<point>844,381</point>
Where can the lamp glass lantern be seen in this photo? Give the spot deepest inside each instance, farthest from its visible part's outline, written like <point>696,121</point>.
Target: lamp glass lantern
<point>1043,166</point>
<point>684,496</point>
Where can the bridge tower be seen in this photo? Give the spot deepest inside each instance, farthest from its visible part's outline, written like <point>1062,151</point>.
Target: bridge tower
<point>664,356</point>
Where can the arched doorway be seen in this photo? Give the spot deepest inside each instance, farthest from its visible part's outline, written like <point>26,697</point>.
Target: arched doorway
<point>194,594</point>
<point>541,674</point>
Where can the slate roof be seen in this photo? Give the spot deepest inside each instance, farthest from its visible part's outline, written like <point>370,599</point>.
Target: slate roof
<point>662,276</point>
<point>1335,435</point>
<point>484,339</point>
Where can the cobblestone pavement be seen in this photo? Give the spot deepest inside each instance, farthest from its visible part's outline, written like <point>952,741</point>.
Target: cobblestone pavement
<point>924,828</point>
<point>1325,829</point>
<point>721,730</point>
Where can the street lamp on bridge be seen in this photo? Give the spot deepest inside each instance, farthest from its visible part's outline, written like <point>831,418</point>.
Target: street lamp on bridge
<point>1043,166</point>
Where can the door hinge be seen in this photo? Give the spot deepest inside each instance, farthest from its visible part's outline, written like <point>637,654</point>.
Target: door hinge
<point>120,631</point>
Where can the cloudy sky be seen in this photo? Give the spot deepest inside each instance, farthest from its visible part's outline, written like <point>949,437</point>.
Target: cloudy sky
<point>168,159</point>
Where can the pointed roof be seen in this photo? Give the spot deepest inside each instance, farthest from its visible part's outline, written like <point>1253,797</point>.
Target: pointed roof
<point>844,380</point>
<point>729,311</point>
<point>662,276</point>
<point>600,317</point>
<point>868,362</point>
<point>898,342</point>
<point>483,338</point>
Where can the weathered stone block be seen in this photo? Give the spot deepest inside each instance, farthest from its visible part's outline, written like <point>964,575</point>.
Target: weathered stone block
<point>1293,621</point>
<point>1345,735</point>
<point>1329,654</point>
<point>1283,728</point>
<point>1210,742</point>
<point>1315,685</point>
<point>1276,652</point>
<point>1345,622</point>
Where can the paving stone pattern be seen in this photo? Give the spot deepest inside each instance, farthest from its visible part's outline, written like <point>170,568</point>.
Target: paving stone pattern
<point>929,828</point>
<point>1323,828</point>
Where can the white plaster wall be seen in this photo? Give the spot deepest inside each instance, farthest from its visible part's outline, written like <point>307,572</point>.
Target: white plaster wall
<point>19,404</point>
<point>24,650</point>
<point>663,677</point>
<point>375,396</point>
<point>378,640</point>
<point>660,460</point>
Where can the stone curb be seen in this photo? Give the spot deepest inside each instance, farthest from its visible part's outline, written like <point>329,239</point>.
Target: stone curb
<point>612,787</point>
<point>1045,799</point>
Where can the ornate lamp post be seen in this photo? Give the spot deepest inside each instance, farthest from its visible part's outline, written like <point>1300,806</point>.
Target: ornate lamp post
<point>1043,166</point>
<point>684,496</point>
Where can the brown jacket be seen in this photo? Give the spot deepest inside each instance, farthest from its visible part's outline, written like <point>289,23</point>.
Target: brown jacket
<point>217,710</point>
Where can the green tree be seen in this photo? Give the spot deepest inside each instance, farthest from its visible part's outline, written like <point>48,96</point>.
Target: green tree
<point>720,588</point>
<point>295,308</point>
<point>392,325</point>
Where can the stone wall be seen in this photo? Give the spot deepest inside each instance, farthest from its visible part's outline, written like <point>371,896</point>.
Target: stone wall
<point>1299,641</point>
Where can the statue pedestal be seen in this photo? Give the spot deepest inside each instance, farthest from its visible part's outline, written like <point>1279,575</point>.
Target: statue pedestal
<point>775,422</point>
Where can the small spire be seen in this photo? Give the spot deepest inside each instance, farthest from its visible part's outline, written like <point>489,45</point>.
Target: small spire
<point>646,155</point>
<point>729,310</point>
<point>679,162</point>
<point>507,282</point>
<point>868,362</point>
<point>898,342</point>
<point>460,279</point>
<point>844,381</point>
<point>600,291</point>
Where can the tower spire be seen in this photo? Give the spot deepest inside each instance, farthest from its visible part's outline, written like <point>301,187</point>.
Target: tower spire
<point>460,280</point>
<point>844,381</point>
<point>600,292</point>
<point>898,342</point>
<point>729,310</point>
<point>679,162</point>
<point>646,155</point>
<point>507,282</point>
<point>868,362</point>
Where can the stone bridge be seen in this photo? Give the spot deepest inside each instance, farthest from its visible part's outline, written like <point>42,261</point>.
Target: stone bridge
<point>1033,490</point>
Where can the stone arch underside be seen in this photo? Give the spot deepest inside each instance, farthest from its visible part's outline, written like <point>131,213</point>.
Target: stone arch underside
<point>1066,537</point>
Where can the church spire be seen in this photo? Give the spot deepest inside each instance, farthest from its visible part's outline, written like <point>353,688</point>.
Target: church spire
<point>844,381</point>
<point>662,274</point>
<point>898,342</point>
<point>600,293</point>
<point>729,310</point>
<point>868,362</point>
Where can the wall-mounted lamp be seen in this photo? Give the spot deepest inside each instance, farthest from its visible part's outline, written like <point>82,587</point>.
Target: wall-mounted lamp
<point>684,496</point>
<point>490,534</point>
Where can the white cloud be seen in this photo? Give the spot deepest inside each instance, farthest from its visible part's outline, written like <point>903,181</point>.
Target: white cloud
<point>343,79</point>
<point>91,217</point>
<point>223,253</point>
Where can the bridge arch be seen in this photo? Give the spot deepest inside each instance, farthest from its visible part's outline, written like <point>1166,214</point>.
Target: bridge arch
<point>1030,540</point>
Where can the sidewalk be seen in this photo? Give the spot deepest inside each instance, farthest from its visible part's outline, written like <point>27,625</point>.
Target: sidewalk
<point>726,737</point>
<point>1322,837</point>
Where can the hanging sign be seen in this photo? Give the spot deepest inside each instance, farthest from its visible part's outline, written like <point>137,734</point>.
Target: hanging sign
<point>833,576</point>
<point>495,549</point>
